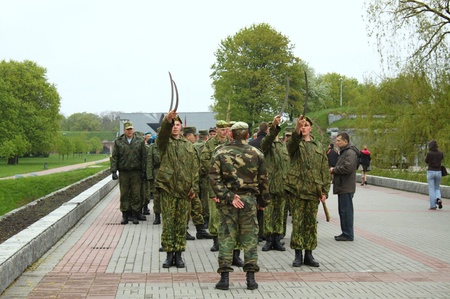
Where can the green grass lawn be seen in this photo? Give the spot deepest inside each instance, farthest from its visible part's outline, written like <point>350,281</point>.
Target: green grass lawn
<point>27,165</point>
<point>15,193</point>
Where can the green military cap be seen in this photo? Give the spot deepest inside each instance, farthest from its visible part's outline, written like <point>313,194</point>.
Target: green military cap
<point>128,125</point>
<point>189,130</point>
<point>203,132</point>
<point>231,123</point>
<point>221,124</point>
<point>288,131</point>
<point>308,120</point>
<point>178,118</point>
<point>212,129</point>
<point>240,126</point>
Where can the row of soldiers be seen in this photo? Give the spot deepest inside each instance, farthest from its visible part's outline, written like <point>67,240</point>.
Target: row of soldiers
<point>218,180</point>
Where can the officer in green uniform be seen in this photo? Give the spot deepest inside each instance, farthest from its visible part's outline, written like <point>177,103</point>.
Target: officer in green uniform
<point>307,184</point>
<point>177,183</point>
<point>128,157</point>
<point>153,163</point>
<point>146,185</point>
<point>196,208</point>
<point>277,159</point>
<point>238,177</point>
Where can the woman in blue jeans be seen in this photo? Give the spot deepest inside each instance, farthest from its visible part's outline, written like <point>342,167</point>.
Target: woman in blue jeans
<point>434,175</point>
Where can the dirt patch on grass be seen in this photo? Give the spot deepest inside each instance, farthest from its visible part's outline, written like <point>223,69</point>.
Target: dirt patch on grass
<point>14,223</point>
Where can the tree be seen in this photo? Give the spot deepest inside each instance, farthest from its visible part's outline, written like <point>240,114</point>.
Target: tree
<point>83,122</point>
<point>249,74</point>
<point>30,107</point>
<point>411,29</point>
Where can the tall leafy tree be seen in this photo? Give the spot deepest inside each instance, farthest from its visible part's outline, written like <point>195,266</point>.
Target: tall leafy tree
<point>249,74</point>
<point>30,109</point>
<point>84,122</point>
<point>416,30</point>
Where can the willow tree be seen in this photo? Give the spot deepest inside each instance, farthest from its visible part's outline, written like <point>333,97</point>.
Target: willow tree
<point>249,75</point>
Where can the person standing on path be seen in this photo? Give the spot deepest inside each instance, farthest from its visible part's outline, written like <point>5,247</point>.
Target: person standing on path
<point>129,157</point>
<point>307,184</point>
<point>434,174</point>
<point>277,161</point>
<point>344,185</point>
<point>153,163</point>
<point>177,182</point>
<point>364,160</point>
<point>238,177</point>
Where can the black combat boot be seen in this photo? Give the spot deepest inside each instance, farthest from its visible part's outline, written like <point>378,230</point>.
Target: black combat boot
<point>157,218</point>
<point>236,259</point>
<point>277,243</point>
<point>124,218</point>
<point>215,246</point>
<point>133,217</point>
<point>298,261</point>
<point>169,260</point>
<point>224,281</point>
<point>206,220</point>
<point>189,236</point>
<point>140,217</point>
<point>251,282</point>
<point>269,243</point>
<point>179,260</point>
<point>309,259</point>
<point>202,233</point>
<point>145,210</point>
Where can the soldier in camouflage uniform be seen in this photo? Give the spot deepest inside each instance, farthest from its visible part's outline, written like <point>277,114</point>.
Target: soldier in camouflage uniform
<point>128,157</point>
<point>277,160</point>
<point>204,179</point>
<point>238,177</point>
<point>177,183</point>
<point>153,163</point>
<point>287,211</point>
<point>307,183</point>
<point>196,209</point>
<point>146,185</point>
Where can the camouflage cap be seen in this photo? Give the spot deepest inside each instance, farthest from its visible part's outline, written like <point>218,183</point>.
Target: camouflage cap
<point>203,132</point>
<point>178,118</point>
<point>308,120</point>
<point>189,130</point>
<point>288,131</point>
<point>240,126</point>
<point>128,125</point>
<point>221,124</point>
<point>231,123</point>
<point>213,129</point>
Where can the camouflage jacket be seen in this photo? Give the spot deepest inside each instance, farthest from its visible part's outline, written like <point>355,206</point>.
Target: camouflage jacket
<point>127,157</point>
<point>178,172</point>
<point>308,173</point>
<point>153,161</point>
<point>239,168</point>
<point>277,160</point>
<point>206,157</point>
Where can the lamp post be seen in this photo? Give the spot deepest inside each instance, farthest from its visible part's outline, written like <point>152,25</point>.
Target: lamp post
<point>340,93</point>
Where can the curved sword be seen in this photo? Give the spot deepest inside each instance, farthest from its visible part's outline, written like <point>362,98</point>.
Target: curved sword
<point>287,96</point>
<point>173,86</point>
<point>305,105</point>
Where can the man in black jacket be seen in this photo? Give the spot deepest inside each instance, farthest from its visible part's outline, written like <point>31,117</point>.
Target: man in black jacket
<point>344,185</point>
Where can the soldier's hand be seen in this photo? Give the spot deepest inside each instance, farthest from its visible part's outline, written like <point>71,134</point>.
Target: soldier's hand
<point>237,202</point>
<point>114,175</point>
<point>215,199</point>
<point>276,120</point>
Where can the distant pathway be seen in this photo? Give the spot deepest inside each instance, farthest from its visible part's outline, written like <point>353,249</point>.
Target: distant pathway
<point>57,169</point>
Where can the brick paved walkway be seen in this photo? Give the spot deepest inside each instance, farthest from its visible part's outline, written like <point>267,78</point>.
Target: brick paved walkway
<point>401,250</point>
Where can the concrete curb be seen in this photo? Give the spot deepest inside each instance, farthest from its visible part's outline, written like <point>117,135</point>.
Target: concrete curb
<point>410,186</point>
<point>23,249</point>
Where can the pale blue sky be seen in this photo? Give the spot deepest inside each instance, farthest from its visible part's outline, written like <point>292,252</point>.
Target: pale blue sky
<point>112,55</point>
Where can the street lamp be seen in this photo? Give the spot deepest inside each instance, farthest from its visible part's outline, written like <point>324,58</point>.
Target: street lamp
<point>340,93</point>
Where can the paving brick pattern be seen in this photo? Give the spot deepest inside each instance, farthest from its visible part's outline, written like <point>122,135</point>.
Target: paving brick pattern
<point>401,250</point>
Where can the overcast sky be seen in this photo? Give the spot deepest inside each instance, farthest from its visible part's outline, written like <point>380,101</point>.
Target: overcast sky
<point>113,55</point>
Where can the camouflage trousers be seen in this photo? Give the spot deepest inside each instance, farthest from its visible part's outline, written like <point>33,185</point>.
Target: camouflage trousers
<point>287,210</point>
<point>213,217</point>
<point>274,215</point>
<point>145,193</point>
<point>156,201</point>
<point>130,184</point>
<point>304,222</point>
<point>203,195</point>
<point>174,214</point>
<point>195,211</point>
<point>238,226</point>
